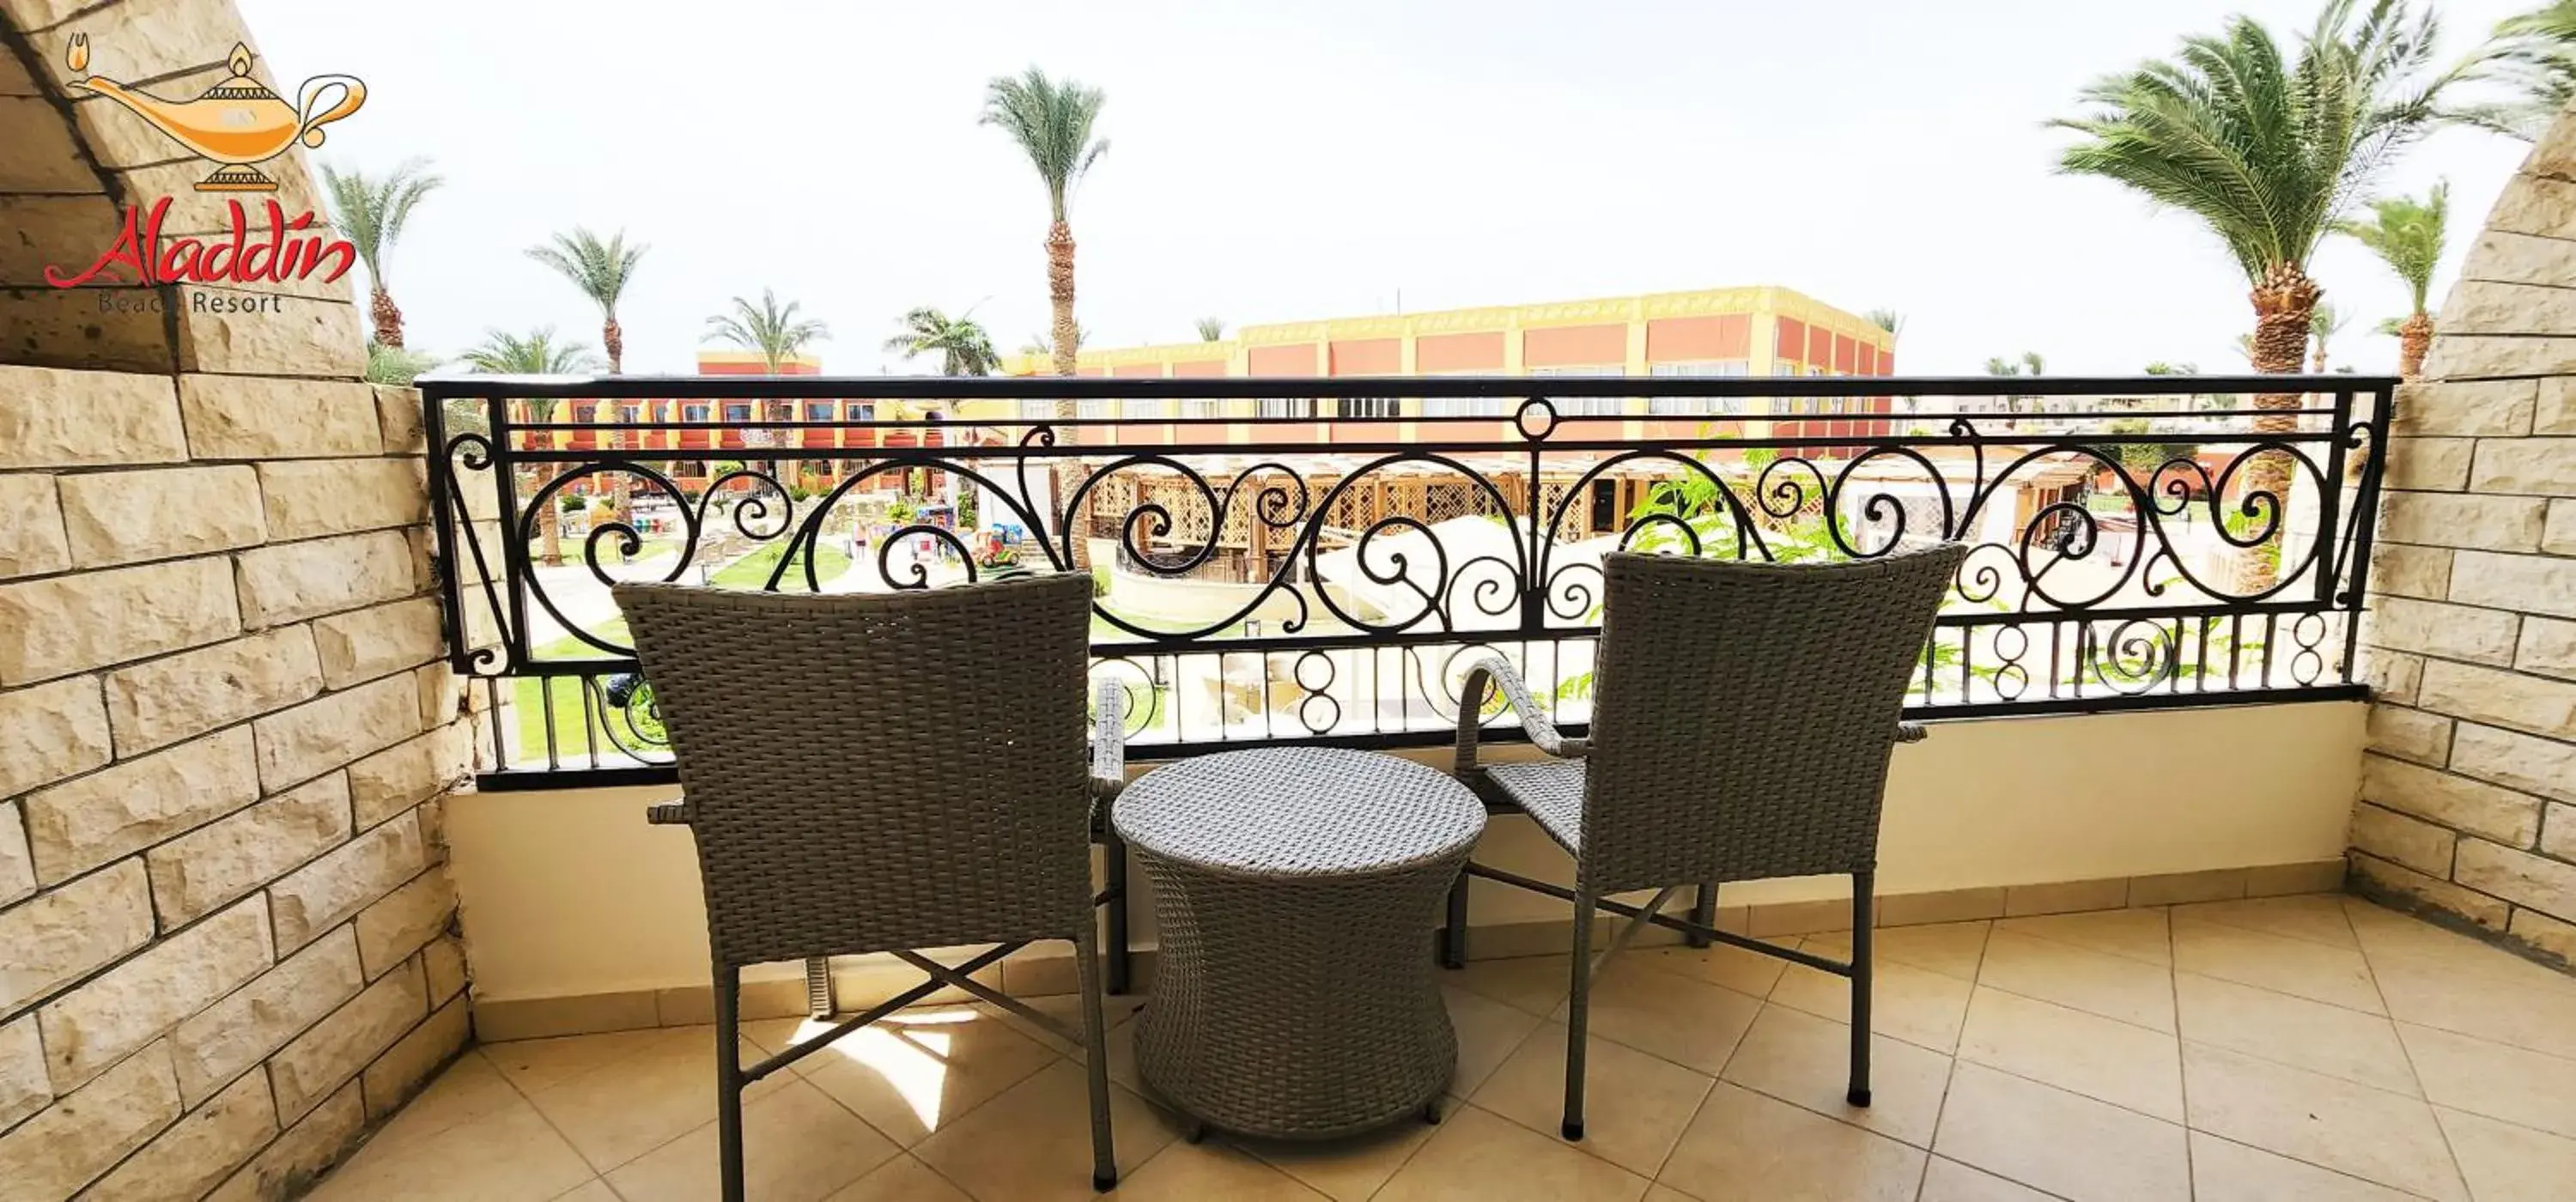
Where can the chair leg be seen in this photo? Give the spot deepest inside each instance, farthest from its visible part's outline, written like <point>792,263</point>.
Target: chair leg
<point>1453,936</point>
<point>729,1081</point>
<point>1703,913</point>
<point>1113,878</point>
<point>1095,1061</point>
<point>1861,939</point>
<point>1577,1012</point>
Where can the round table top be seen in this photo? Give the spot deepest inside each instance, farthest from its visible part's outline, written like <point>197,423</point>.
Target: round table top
<point>1298,811</point>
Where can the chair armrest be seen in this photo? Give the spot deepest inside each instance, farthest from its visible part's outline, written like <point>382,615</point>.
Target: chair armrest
<point>1109,741</point>
<point>673,814</point>
<point>1910,732</point>
<point>1516,695</point>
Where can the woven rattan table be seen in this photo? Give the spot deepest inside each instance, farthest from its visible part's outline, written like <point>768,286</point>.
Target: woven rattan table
<point>1294,890</point>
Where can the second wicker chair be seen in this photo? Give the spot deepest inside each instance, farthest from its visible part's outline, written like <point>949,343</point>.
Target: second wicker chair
<point>883,773</point>
<point>1743,719</point>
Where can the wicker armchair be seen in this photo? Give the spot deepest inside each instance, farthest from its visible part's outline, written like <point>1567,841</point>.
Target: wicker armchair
<point>883,773</point>
<point>1743,718</point>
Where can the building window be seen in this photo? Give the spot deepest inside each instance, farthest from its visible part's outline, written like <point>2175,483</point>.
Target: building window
<point>1685,406</point>
<point>1135,408</point>
<point>1465,406</point>
<point>1285,407</point>
<point>1370,406</point>
<point>1198,408</point>
<point>1093,408</point>
<point>737,411</point>
<point>583,411</point>
<point>860,411</point>
<point>693,413</point>
<point>818,411</point>
<point>1584,406</point>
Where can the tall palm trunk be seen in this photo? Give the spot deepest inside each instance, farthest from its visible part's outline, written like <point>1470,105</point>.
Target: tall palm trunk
<point>550,523</point>
<point>388,319</point>
<point>1059,248</point>
<point>2414,341</point>
<point>620,485</point>
<point>2284,302</point>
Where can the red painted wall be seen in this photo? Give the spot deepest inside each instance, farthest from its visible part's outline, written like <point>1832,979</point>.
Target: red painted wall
<point>1574,346</point>
<point>1294,360</point>
<point>1458,352</point>
<point>1368,357</point>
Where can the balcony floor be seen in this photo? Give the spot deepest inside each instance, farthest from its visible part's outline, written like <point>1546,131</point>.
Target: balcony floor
<point>2309,1047</point>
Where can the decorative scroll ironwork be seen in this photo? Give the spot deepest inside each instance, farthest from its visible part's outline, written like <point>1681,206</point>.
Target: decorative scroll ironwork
<point>1330,582</point>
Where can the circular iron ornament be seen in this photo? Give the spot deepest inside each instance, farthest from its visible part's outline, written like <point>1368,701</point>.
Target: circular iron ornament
<point>2135,657</point>
<point>1315,692</point>
<point>2308,630</point>
<point>919,577</point>
<point>1535,419</point>
<point>2010,678</point>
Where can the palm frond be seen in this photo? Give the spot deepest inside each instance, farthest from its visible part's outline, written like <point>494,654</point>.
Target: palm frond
<point>775,332</point>
<point>535,353</point>
<point>1210,328</point>
<point>1051,121</point>
<point>2406,234</point>
<point>963,346</point>
<point>2267,146</point>
<point>371,211</point>
<point>600,269</point>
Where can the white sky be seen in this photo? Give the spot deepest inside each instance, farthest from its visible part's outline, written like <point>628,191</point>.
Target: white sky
<point>1290,161</point>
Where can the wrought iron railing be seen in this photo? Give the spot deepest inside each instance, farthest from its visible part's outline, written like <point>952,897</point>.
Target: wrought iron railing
<point>2159,541</point>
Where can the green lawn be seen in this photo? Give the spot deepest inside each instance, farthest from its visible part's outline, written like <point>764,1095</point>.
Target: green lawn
<point>752,571</point>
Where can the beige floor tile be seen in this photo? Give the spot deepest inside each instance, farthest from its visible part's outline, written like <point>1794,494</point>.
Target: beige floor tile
<point>1481,1157</point>
<point>1688,1022</point>
<point>2334,975</point>
<point>1346,1170</point>
<point>2101,1058</point>
<point>2130,990</point>
<point>630,1106</point>
<point>1748,973</point>
<point>1487,1032</point>
<point>2506,1163</point>
<point>2541,1018</point>
<point>918,1072</point>
<point>2139,934</point>
<point>1666,1193</point>
<point>1532,983</point>
<point>535,1064</point>
<point>2059,1142</point>
<point>508,1155</point>
<point>2354,1129</point>
<point>1033,1143</point>
<point>2315,917</point>
<point>2493,1079</point>
<point>1951,1181</point>
<point>593,1190</point>
<point>2225,1171</point>
<point>2066,897</point>
<point>901,1179</point>
<point>1952,949</point>
<point>467,1089</point>
<point>1913,1004</point>
<point>1806,1061</point>
<point>797,1146</point>
<point>1749,1147</point>
<point>2294,1031</point>
<point>1197,1172</point>
<point>1635,1105</point>
<point>2386,935</point>
<point>1066,1008</point>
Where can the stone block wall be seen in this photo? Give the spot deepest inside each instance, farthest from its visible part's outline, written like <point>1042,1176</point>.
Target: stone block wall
<point>2468,797</point>
<point>227,936</point>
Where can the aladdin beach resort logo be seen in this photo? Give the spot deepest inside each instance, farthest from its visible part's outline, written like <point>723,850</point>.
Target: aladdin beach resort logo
<point>238,124</point>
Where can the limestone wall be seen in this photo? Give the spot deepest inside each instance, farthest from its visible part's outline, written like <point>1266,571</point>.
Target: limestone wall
<point>226,929</point>
<point>2468,798</point>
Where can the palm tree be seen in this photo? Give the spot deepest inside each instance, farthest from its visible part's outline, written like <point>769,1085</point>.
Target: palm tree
<point>1886,319</point>
<point>536,354</point>
<point>2406,234</point>
<point>2323,323</point>
<point>963,347</point>
<point>1043,343</point>
<point>1051,121</point>
<point>601,270</point>
<point>2533,56</point>
<point>1211,329</point>
<point>372,212</point>
<point>2268,148</point>
<point>778,335</point>
<point>395,365</point>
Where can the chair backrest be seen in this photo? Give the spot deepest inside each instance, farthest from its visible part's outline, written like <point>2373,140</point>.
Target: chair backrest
<point>867,772</point>
<point>1744,713</point>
